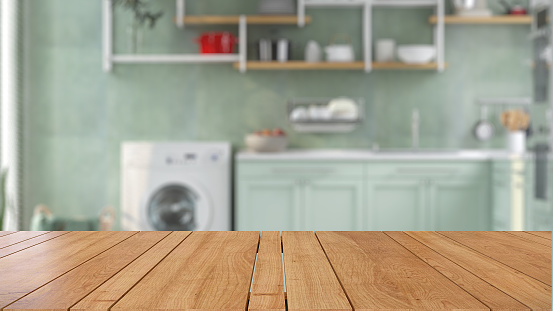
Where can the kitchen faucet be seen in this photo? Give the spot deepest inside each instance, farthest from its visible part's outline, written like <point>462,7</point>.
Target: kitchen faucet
<point>415,124</point>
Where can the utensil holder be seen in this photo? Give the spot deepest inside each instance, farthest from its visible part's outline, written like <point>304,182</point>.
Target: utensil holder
<point>516,142</point>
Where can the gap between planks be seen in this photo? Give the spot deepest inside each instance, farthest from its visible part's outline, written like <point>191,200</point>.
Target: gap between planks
<point>64,273</point>
<point>453,263</point>
<point>141,278</point>
<point>334,270</point>
<point>492,258</point>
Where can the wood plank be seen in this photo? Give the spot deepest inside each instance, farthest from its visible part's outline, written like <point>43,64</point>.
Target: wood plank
<point>116,287</point>
<point>12,249</point>
<point>404,66</point>
<point>250,19</point>
<point>359,65</point>
<point>68,289</point>
<point>518,285</point>
<point>490,20</point>
<point>208,271</point>
<point>528,258</point>
<point>4,233</point>
<point>481,290</point>
<point>542,234</point>
<point>378,273</point>
<point>310,281</point>
<point>268,282</point>
<point>27,270</point>
<point>530,237</point>
<point>18,237</point>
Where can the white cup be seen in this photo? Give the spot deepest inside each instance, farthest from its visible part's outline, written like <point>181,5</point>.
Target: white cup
<point>516,142</point>
<point>385,50</point>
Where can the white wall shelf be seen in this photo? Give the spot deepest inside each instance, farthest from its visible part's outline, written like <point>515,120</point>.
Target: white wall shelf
<point>110,58</point>
<point>367,6</point>
<point>240,59</point>
<point>177,58</point>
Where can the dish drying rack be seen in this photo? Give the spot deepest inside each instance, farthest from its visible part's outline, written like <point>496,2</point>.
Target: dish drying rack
<point>323,125</point>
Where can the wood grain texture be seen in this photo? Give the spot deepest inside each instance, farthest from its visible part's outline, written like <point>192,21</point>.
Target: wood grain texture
<point>518,285</point>
<point>268,282</point>
<point>378,274</point>
<point>543,234</point>
<point>27,270</point>
<point>531,237</point>
<point>4,233</point>
<point>250,19</point>
<point>489,20</point>
<point>18,237</point>
<point>311,284</point>
<point>481,290</point>
<point>528,258</point>
<point>301,65</point>
<point>208,271</point>
<point>14,248</point>
<point>68,289</point>
<point>116,287</point>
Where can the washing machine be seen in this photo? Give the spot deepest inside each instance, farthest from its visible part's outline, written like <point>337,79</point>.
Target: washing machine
<point>175,186</point>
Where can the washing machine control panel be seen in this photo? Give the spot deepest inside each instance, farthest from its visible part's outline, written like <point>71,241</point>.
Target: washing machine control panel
<point>193,158</point>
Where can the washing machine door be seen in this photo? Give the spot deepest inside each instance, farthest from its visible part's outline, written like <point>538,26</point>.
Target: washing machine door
<point>178,207</point>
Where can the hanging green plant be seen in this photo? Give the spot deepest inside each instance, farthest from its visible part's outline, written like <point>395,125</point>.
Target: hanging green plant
<point>142,14</point>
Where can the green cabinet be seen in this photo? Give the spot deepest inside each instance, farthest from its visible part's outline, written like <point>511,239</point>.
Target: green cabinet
<point>501,205</point>
<point>265,204</point>
<point>396,204</point>
<point>333,204</point>
<point>428,196</point>
<point>299,196</point>
<point>363,195</point>
<point>459,204</point>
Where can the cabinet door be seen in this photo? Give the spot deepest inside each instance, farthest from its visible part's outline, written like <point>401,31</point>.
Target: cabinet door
<point>460,204</point>
<point>333,204</point>
<point>267,205</point>
<point>396,205</point>
<point>501,205</point>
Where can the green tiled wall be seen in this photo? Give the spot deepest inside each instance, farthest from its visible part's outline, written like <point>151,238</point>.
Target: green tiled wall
<point>76,115</point>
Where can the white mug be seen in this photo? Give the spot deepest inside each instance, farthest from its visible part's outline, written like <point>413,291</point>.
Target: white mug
<point>385,50</point>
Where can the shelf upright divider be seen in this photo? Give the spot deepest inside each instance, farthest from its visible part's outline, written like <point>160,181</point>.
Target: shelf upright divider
<point>107,28</point>
<point>181,11</point>
<point>301,13</point>
<point>243,42</point>
<point>440,35</point>
<point>367,35</point>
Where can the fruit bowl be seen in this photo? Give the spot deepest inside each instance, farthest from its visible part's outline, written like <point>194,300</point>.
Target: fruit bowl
<point>266,143</point>
<point>416,54</point>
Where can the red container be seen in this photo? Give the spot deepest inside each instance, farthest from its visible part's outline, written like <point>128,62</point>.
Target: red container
<point>216,42</point>
<point>207,42</point>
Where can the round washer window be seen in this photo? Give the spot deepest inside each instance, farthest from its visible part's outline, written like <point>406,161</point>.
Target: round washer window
<point>173,208</point>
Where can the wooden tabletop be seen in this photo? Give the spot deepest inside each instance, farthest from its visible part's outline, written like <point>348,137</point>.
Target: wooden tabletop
<point>275,271</point>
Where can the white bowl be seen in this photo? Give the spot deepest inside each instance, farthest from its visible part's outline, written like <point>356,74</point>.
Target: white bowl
<point>259,143</point>
<point>416,54</point>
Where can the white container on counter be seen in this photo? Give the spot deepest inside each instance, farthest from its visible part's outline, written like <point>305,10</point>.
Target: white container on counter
<point>516,141</point>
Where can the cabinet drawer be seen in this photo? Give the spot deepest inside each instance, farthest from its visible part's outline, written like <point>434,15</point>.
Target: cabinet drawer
<point>300,169</point>
<point>417,170</point>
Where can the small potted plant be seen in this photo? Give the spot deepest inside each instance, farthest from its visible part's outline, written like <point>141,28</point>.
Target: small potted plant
<point>141,15</point>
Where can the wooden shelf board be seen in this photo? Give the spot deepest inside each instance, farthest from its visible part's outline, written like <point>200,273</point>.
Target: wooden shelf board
<point>301,65</point>
<point>250,19</point>
<point>493,20</point>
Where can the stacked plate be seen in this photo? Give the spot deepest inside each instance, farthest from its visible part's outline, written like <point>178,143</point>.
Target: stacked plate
<point>277,7</point>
